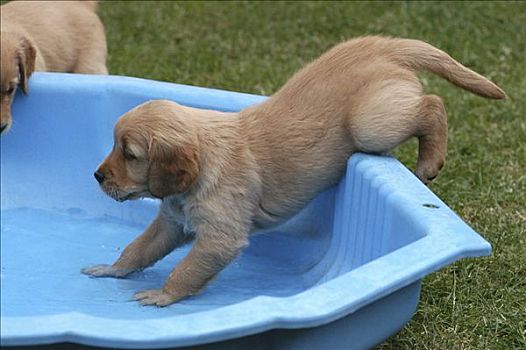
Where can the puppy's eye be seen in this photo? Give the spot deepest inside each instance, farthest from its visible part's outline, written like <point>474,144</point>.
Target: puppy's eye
<point>127,154</point>
<point>10,90</point>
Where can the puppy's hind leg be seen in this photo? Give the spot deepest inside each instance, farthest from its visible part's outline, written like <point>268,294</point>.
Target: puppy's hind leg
<point>92,58</point>
<point>84,66</point>
<point>159,239</point>
<point>99,69</point>
<point>432,137</point>
<point>386,115</point>
<point>391,112</point>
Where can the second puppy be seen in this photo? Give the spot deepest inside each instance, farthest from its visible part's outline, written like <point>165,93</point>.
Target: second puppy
<point>52,36</point>
<point>220,175</point>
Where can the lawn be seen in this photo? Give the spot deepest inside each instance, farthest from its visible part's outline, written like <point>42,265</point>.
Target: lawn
<point>256,46</point>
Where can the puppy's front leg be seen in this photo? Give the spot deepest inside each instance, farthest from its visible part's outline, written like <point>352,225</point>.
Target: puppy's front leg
<point>209,255</point>
<point>159,239</point>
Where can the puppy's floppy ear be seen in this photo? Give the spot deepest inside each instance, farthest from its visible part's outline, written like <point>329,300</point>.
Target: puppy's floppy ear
<point>26,62</point>
<point>173,169</point>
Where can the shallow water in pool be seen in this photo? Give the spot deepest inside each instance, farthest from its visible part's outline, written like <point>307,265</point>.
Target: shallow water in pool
<point>49,248</point>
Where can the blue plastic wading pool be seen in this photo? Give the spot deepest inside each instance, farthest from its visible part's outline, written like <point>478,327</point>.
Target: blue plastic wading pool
<point>345,273</point>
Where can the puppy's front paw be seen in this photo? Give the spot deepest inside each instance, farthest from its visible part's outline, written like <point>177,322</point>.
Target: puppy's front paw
<point>156,297</point>
<point>104,270</point>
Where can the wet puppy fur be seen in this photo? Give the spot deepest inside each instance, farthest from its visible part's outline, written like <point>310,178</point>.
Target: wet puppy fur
<point>53,36</point>
<point>221,175</point>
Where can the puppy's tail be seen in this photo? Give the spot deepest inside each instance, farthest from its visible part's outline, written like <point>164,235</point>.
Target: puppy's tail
<point>418,55</point>
<point>92,5</point>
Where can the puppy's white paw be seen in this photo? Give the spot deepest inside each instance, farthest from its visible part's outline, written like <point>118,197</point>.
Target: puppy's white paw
<point>104,270</point>
<point>156,297</point>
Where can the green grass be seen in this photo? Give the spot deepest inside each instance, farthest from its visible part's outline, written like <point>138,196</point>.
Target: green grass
<point>255,47</point>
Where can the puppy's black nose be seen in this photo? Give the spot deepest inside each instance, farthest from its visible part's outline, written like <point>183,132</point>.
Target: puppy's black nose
<point>99,176</point>
<point>2,128</point>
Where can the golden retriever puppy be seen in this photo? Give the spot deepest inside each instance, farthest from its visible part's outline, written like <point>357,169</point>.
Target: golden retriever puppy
<point>221,175</point>
<point>53,36</point>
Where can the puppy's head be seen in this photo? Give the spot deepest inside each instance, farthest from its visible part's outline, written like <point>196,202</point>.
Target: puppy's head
<point>17,62</point>
<point>155,153</point>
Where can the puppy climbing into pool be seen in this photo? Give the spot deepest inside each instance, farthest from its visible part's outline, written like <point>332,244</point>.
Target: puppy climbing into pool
<point>221,175</point>
<point>51,36</point>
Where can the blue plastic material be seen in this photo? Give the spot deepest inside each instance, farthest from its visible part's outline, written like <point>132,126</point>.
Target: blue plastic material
<point>343,273</point>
